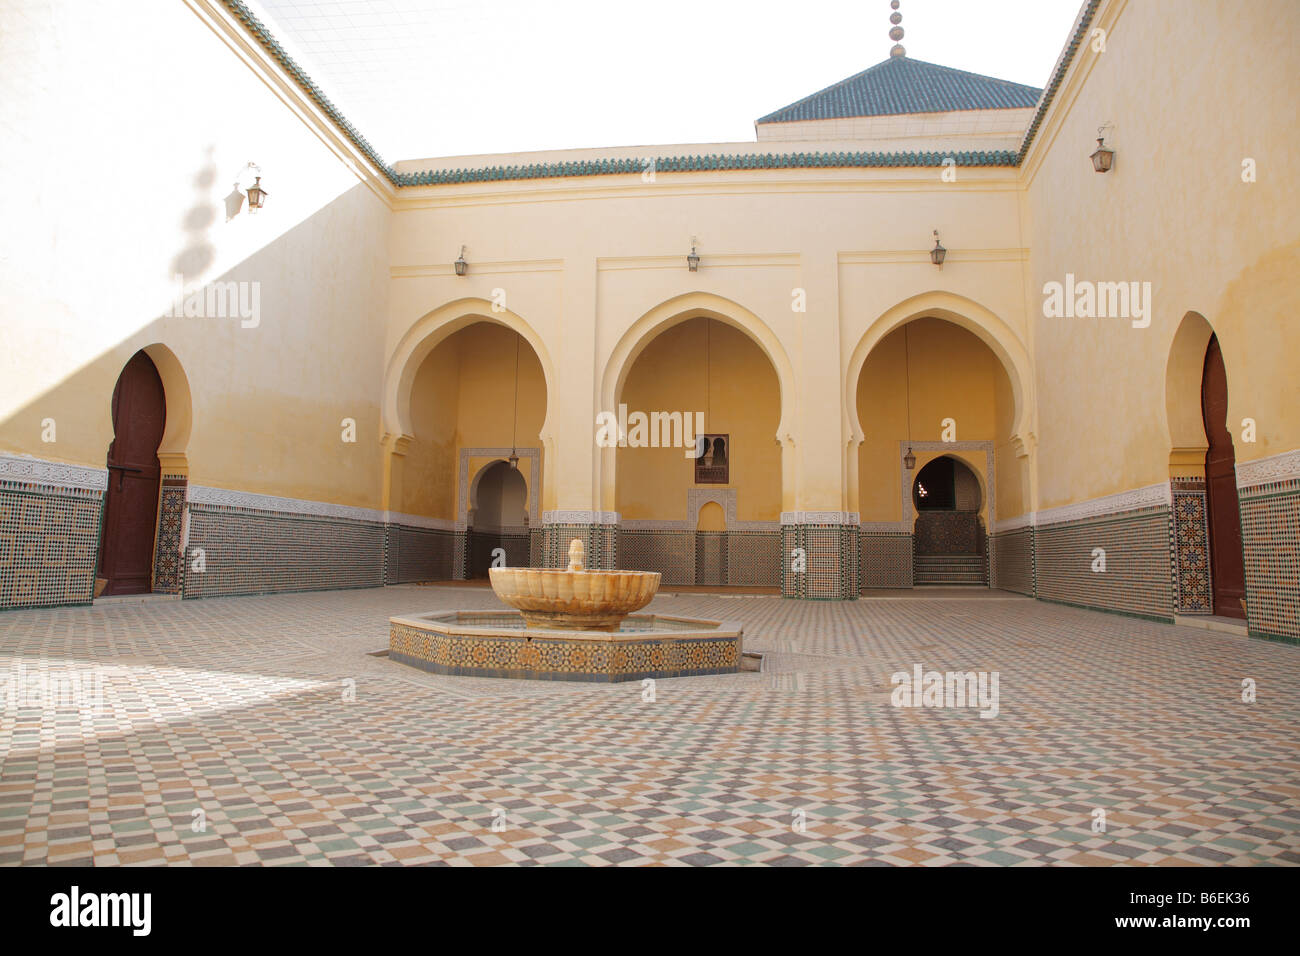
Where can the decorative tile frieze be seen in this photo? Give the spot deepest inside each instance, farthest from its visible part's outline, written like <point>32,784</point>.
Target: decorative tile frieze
<point>1263,471</point>
<point>24,469</point>
<point>249,501</point>
<point>580,517</point>
<point>168,561</point>
<point>1270,536</point>
<point>820,517</point>
<point>1138,499</point>
<point>49,544</point>
<point>1190,547</point>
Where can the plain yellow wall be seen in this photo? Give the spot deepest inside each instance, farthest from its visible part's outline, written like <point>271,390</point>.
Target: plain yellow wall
<point>741,398</point>
<point>463,397</point>
<point>1192,89</point>
<point>953,375</point>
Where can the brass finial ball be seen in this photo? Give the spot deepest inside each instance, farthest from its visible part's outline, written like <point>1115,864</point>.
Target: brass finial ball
<point>896,33</point>
<point>895,18</point>
<point>893,4</point>
<point>897,50</point>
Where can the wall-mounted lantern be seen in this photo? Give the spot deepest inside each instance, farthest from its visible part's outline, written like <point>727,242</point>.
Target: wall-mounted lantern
<point>1103,157</point>
<point>256,195</point>
<point>693,260</point>
<point>461,265</point>
<point>938,252</point>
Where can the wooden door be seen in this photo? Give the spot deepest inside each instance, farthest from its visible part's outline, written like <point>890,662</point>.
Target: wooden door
<point>131,509</point>
<point>1224,521</point>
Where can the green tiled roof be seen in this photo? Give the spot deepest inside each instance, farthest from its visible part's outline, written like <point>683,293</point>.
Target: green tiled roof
<point>709,161</point>
<point>713,161</point>
<point>904,85</point>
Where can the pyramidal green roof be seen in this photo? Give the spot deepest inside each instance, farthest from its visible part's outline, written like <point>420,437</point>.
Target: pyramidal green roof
<point>904,85</point>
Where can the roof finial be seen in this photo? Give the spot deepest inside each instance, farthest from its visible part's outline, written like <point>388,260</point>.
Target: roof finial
<point>896,32</point>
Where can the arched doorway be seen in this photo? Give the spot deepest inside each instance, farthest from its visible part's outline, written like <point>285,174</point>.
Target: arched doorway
<point>126,544</point>
<point>498,518</point>
<point>699,375</point>
<point>949,536</point>
<point>1227,573</point>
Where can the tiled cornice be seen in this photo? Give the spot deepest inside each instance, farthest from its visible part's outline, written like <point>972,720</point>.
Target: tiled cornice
<point>705,163</point>
<point>1058,76</point>
<point>262,35</point>
<point>609,167</point>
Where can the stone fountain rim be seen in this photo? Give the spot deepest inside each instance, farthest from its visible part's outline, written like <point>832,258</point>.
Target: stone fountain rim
<point>720,629</point>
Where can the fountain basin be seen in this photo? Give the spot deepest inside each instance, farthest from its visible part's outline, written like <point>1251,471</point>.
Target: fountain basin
<point>503,644</point>
<point>574,599</point>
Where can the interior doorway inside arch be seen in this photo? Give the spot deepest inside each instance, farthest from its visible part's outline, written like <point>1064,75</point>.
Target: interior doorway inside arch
<point>949,540</point>
<point>500,518</point>
<point>126,541</point>
<point>1223,519</point>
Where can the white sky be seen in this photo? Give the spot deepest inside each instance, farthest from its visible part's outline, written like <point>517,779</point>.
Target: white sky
<point>451,77</point>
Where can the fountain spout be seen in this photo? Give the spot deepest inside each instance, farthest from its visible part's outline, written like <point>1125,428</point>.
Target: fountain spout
<point>575,554</point>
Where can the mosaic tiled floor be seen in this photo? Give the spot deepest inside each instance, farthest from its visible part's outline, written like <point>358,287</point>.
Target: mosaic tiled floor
<point>268,716</point>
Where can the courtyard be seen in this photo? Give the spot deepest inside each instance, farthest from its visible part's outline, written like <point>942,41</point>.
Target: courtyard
<point>266,730</point>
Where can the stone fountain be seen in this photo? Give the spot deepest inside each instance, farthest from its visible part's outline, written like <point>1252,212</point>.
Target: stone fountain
<point>574,599</point>
<point>570,624</point>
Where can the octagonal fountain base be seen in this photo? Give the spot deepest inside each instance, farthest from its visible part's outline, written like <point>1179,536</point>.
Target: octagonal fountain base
<point>500,644</point>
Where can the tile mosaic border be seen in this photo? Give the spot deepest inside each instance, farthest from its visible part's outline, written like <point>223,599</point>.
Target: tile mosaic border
<point>26,469</point>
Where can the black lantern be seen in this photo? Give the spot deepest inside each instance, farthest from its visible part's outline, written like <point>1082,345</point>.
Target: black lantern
<point>693,260</point>
<point>1103,157</point>
<point>938,252</point>
<point>514,459</point>
<point>909,460</point>
<point>256,194</point>
<point>461,265</point>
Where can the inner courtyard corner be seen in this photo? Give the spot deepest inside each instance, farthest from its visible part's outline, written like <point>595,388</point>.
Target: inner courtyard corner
<point>436,433</point>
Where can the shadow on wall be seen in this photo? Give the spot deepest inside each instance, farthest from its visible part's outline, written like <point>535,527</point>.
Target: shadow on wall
<point>199,253</point>
<point>256,388</point>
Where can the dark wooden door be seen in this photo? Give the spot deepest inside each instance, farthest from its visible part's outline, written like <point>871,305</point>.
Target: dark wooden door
<point>1223,518</point>
<point>131,509</point>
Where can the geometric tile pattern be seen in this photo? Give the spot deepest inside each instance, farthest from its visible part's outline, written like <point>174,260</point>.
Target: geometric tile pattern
<point>269,716</point>
<point>1013,561</point>
<point>248,551</point>
<point>599,541</point>
<point>948,532</point>
<point>734,558</point>
<point>672,553</point>
<point>49,544</point>
<point>711,557</point>
<point>753,558</point>
<point>168,566</point>
<point>418,554</point>
<point>1191,547</point>
<point>886,559</point>
<point>540,658</point>
<point>831,553</point>
<point>1270,532</point>
<point>1137,577</point>
<point>483,547</point>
